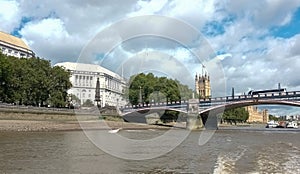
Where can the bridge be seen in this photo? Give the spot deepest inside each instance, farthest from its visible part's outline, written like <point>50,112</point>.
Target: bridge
<point>207,109</point>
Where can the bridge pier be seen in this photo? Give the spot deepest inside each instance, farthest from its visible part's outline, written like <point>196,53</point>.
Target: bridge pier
<point>193,120</point>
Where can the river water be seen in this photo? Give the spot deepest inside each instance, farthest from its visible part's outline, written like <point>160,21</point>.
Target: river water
<point>228,151</point>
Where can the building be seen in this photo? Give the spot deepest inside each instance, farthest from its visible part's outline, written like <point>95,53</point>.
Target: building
<point>202,86</point>
<point>14,46</point>
<point>84,78</point>
<point>257,117</point>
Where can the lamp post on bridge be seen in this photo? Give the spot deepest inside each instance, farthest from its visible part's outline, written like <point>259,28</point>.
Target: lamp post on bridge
<point>140,96</point>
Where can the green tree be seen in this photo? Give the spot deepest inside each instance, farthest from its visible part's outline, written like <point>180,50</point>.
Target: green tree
<point>156,89</point>
<point>58,86</point>
<point>32,81</point>
<point>235,115</point>
<point>272,117</point>
<point>88,103</point>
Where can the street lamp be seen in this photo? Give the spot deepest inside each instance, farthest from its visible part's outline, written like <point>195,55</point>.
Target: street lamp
<point>140,96</point>
<point>70,100</point>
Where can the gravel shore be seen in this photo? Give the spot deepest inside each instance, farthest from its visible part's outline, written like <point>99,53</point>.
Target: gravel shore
<point>30,125</point>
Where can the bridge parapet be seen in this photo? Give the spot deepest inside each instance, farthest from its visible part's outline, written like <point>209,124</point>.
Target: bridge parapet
<point>211,102</point>
<point>150,105</point>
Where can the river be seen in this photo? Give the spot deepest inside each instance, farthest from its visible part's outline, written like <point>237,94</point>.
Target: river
<point>228,151</point>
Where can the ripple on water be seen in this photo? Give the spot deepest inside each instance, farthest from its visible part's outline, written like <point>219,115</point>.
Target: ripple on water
<point>226,162</point>
<point>280,158</point>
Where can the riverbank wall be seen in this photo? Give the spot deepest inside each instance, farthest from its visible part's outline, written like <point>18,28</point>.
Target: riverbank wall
<point>41,115</point>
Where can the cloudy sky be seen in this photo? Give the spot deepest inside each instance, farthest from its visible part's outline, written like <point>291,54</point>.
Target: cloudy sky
<point>256,43</point>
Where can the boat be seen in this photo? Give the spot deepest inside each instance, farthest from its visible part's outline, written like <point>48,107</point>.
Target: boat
<point>272,124</point>
<point>281,124</point>
<point>292,124</point>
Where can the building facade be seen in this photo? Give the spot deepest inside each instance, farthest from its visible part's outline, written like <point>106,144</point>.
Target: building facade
<point>84,79</point>
<point>257,117</point>
<point>14,46</point>
<point>202,86</point>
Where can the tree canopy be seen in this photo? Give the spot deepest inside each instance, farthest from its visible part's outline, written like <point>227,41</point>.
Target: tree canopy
<point>156,89</point>
<point>235,115</point>
<point>32,81</point>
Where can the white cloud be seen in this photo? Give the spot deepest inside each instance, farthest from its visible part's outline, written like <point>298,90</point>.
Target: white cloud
<point>194,12</point>
<point>148,7</point>
<point>264,13</point>
<point>49,39</point>
<point>48,29</point>
<point>9,15</point>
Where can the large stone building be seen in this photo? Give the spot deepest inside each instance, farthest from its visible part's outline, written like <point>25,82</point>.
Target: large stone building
<point>257,117</point>
<point>202,86</point>
<point>84,78</point>
<point>14,46</point>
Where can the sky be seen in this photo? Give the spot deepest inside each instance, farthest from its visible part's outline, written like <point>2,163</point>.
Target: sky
<point>242,44</point>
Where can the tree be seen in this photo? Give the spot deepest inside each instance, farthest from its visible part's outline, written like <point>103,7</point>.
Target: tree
<point>88,103</point>
<point>156,89</point>
<point>272,117</point>
<point>58,86</point>
<point>235,115</point>
<point>32,81</point>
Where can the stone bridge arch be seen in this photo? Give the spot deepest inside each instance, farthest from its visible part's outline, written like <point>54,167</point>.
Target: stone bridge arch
<point>139,115</point>
<point>209,115</point>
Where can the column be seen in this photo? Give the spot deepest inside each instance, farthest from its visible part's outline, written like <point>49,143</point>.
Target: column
<point>193,120</point>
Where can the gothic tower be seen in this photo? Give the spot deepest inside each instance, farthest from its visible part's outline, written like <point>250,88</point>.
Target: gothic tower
<point>202,86</point>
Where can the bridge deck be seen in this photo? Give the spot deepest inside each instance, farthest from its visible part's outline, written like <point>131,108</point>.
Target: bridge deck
<point>285,98</point>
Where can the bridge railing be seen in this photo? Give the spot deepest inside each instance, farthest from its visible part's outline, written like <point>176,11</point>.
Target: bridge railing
<point>161,104</point>
<point>292,95</point>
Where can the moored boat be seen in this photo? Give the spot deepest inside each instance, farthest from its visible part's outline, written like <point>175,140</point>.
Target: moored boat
<point>272,124</point>
<point>292,124</point>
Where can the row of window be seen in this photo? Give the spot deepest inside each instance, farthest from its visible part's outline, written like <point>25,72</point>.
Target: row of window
<point>83,77</point>
<point>11,52</point>
<point>83,95</point>
<point>83,80</point>
<point>111,84</point>
<point>83,84</point>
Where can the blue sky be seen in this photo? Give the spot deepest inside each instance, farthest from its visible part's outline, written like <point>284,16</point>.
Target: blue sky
<point>257,42</point>
<point>289,30</point>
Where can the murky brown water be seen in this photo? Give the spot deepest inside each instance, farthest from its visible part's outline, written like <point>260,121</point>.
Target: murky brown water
<point>228,151</point>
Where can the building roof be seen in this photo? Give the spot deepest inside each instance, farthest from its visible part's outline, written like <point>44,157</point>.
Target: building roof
<point>88,68</point>
<point>13,40</point>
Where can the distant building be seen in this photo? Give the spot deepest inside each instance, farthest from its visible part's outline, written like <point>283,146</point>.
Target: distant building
<point>257,117</point>
<point>84,79</point>
<point>202,86</point>
<point>291,117</point>
<point>14,46</point>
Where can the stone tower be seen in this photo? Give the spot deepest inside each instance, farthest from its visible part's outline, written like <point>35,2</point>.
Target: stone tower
<point>202,86</point>
<point>256,116</point>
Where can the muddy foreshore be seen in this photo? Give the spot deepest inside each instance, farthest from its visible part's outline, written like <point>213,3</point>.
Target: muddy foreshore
<point>32,125</point>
